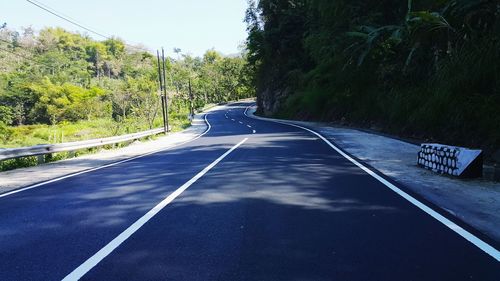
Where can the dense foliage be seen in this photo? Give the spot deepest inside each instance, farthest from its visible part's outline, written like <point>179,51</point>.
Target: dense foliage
<point>425,69</point>
<point>83,88</point>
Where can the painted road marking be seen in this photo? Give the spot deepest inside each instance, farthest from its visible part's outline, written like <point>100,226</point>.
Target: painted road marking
<point>232,119</point>
<point>253,132</point>
<point>490,250</point>
<point>107,165</point>
<point>111,246</point>
<point>249,126</point>
<point>240,122</point>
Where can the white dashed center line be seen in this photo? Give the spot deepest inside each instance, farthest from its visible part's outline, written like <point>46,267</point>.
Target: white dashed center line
<point>249,126</point>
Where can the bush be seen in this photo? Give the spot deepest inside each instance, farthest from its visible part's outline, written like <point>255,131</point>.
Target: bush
<point>5,133</point>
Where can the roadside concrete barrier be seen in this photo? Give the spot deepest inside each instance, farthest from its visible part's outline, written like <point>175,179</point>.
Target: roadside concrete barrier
<point>451,160</point>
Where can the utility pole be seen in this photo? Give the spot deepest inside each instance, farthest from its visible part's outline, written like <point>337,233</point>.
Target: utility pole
<point>161,93</point>
<point>96,65</point>
<point>191,111</point>
<point>165,88</point>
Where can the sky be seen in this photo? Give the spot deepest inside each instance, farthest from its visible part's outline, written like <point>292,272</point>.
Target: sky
<point>194,26</point>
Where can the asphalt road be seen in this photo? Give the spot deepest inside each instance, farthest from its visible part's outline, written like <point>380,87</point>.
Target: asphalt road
<point>249,200</point>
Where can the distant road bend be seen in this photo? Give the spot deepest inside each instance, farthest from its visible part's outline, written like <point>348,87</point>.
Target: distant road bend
<point>248,200</point>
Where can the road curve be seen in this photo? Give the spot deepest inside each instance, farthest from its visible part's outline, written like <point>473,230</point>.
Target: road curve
<point>249,200</point>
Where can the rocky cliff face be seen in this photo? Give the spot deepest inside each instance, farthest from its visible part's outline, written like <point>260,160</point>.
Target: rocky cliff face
<point>270,101</point>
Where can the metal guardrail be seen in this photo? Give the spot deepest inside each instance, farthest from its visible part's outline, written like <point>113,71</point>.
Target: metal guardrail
<point>10,153</point>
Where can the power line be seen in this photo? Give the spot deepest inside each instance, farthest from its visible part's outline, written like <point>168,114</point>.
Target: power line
<point>33,61</point>
<point>6,41</point>
<point>98,32</point>
<point>66,18</point>
<point>12,42</point>
<point>53,12</point>
<point>23,56</point>
<point>26,58</point>
<point>11,51</point>
<point>16,54</point>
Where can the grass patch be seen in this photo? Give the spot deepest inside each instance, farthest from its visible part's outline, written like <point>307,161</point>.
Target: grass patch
<point>29,135</point>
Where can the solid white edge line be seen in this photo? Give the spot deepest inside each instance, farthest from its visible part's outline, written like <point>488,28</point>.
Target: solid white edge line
<point>85,267</point>
<point>107,165</point>
<point>485,247</point>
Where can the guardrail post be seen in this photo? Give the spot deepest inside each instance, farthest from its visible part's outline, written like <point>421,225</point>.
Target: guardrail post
<point>40,159</point>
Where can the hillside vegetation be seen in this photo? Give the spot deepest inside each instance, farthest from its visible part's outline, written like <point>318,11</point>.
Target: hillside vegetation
<point>423,69</point>
<point>58,86</point>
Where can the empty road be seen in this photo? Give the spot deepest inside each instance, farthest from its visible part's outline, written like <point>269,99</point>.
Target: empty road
<point>248,200</point>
